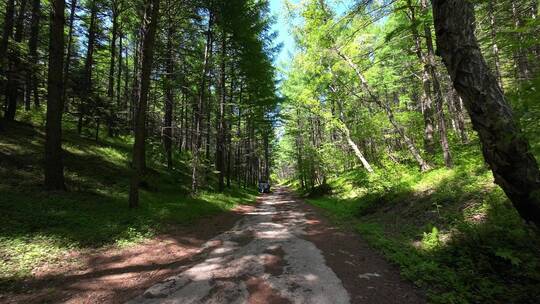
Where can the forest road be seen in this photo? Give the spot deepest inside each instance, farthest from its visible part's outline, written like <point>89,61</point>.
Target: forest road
<point>284,252</point>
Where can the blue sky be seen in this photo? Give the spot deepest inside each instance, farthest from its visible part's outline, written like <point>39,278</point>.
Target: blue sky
<point>283,30</point>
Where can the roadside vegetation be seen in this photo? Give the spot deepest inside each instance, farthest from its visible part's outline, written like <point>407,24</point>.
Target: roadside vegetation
<point>424,142</point>
<point>452,232</point>
<point>44,227</point>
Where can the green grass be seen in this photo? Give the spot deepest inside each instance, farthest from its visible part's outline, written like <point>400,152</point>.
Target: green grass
<point>39,227</point>
<point>451,231</point>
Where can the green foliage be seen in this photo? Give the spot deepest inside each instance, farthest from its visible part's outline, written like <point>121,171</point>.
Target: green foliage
<point>452,232</point>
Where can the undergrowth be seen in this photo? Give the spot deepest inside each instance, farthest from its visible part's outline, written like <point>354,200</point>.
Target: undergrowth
<point>451,231</point>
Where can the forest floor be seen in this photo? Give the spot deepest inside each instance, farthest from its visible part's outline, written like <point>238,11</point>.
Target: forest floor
<point>113,274</point>
<point>283,251</point>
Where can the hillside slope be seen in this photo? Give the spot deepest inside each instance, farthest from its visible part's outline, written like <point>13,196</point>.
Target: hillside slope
<point>42,227</point>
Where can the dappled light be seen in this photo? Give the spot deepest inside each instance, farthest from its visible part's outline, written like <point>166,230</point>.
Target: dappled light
<point>269,151</point>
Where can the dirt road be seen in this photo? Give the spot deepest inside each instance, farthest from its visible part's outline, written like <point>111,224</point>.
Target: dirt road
<point>284,252</point>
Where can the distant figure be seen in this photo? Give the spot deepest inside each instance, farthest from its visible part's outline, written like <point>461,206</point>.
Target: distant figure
<point>264,187</point>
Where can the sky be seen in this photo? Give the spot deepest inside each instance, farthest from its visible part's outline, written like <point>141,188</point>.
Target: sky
<point>283,29</point>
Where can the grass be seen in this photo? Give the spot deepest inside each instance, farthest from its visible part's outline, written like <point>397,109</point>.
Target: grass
<point>40,227</point>
<point>451,231</point>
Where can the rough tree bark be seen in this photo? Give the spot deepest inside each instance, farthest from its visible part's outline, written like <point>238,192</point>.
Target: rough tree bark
<point>504,147</point>
<point>54,167</point>
<point>147,36</point>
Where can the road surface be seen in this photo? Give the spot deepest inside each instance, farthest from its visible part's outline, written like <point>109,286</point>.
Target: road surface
<point>284,252</point>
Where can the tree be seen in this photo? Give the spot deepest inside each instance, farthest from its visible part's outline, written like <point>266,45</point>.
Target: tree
<point>147,34</point>
<point>504,147</point>
<point>54,167</point>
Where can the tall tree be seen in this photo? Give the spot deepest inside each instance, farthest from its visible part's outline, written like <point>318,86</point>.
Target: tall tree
<point>199,109</point>
<point>147,35</point>
<point>54,167</point>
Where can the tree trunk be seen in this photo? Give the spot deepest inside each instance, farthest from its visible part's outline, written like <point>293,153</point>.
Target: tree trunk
<point>432,70</point>
<point>31,77</point>
<point>15,69</point>
<point>54,167</point>
<point>69,50</point>
<point>504,146</point>
<point>119,74</point>
<point>147,35</point>
<point>355,148</point>
<point>199,108</point>
<point>169,97</point>
<point>427,96</point>
<point>7,32</point>
<point>114,33</point>
<point>220,119</point>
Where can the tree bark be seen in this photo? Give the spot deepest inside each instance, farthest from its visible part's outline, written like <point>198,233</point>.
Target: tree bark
<point>54,167</point>
<point>504,147</point>
<point>147,35</point>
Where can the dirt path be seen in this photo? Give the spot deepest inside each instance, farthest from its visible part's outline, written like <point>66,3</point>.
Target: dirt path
<point>284,252</point>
